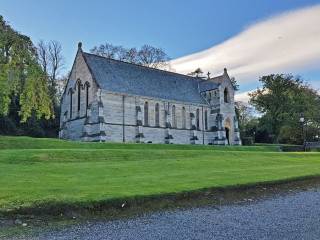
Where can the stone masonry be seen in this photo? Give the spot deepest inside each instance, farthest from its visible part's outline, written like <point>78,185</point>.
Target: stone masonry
<point>110,100</point>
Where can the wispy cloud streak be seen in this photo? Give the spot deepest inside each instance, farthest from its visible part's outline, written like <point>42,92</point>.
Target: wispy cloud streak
<point>286,42</point>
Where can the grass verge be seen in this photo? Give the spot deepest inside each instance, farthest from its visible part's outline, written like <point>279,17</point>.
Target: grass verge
<point>103,211</point>
<point>54,177</point>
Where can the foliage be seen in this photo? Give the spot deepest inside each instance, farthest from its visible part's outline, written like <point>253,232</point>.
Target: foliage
<point>7,126</point>
<point>51,61</point>
<point>235,84</point>
<point>282,99</point>
<point>120,171</point>
<point>197,73</point>
<point>247,141</point>
<point>35,92</point>
<point>248,122</point>
<point>147,55</point>
<point>21,78</point>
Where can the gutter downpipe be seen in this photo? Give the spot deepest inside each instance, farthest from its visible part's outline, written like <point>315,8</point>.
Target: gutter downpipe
<point>123,120</point>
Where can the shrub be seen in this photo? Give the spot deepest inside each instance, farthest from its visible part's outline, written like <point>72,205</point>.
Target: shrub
<point>7,126</point>
<point>247,141</point>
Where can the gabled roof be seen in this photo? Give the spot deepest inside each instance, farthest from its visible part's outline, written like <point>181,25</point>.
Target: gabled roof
<point>121,77</point>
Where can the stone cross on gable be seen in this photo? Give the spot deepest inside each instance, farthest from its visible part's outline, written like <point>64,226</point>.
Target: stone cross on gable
<point>208,74</point>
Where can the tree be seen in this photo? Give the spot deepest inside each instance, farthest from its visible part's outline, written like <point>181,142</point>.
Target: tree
<point>282,99</point>
<point>234,84</point>
<point>244,112</point>
<point>21,78</point>
<point>131,55</point>
<point>51,60</point>
<point>152,57</point>
<point>196,73</point>
<point>105,50</point>
<point>147,55</point>
<point>247,121</point>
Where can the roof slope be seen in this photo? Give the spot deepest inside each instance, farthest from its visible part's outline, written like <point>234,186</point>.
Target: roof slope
<point>117,76</point>
<point>208,85</point>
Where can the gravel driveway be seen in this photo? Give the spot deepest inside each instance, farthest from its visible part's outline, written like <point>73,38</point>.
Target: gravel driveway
<point>293,216</point>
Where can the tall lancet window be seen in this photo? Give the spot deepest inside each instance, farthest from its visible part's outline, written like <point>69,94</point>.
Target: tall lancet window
<point>146,114</point>
<point>87,85</point>
<point>174,117</point>
<point>206,119</point>
<point>198,119</point>
<point>79,94</point>
<point>226,95</point>
<point>183,116</point>
<point>70,101</point>
<point>157,115</point>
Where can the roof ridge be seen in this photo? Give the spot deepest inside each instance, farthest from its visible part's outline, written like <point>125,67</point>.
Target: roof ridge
<point>146,67</point>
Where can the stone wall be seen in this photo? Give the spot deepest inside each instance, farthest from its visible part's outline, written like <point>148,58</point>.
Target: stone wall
<point>124,118</point>
<point>79,73</point>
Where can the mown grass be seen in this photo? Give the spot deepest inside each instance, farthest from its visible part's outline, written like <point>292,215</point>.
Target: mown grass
<point>39,171</point>
<point>7,142</point>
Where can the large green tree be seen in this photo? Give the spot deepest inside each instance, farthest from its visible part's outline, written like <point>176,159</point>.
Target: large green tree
<point>22,79</point>
<point>282,99</point>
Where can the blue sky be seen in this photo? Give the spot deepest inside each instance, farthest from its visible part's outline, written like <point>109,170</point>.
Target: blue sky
<point>179,27</point>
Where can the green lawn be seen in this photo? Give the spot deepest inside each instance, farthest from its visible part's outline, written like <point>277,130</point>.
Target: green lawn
<point>46,170</point>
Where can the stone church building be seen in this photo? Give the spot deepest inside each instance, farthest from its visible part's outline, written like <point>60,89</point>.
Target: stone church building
<point>111,100</point>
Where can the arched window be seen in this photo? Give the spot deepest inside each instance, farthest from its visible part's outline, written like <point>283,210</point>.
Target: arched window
<point>183,115</point>
<point>206,119</point>
<point>70,93</point>
<point>146,114</point>
<point>87,85</point>
<point>198,119</point>
<point>157,115</point>
<point>174,118</point>
<point>79,94</point>
<point>226,95</point>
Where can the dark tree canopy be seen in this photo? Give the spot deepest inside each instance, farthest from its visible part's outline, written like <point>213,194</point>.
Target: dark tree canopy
<point>147,55</point>
<point>197,73</point>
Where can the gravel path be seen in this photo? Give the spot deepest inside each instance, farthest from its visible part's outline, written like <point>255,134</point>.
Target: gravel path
<point>294,216</point>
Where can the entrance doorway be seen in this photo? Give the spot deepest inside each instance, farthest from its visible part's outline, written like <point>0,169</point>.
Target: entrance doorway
<point>228,129</point>
<point>228,135</point>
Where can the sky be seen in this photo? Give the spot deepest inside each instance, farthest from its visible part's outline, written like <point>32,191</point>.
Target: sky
<point>249,38</point>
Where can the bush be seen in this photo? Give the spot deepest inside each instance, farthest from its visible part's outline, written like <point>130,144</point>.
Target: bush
<point>247,141</point>
<point>33,128</point>
<point>7,126</point>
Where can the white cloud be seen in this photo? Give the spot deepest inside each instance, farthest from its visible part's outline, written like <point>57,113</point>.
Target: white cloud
<point>242,97</point>
<point>289,42</point>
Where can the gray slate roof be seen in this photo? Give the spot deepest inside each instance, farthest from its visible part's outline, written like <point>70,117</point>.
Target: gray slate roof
<point>207,85</point>
<point>121,77</point>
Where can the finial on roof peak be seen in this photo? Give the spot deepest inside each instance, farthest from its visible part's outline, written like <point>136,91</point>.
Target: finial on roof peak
<point>80,45</point>
<point>225,70</point>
